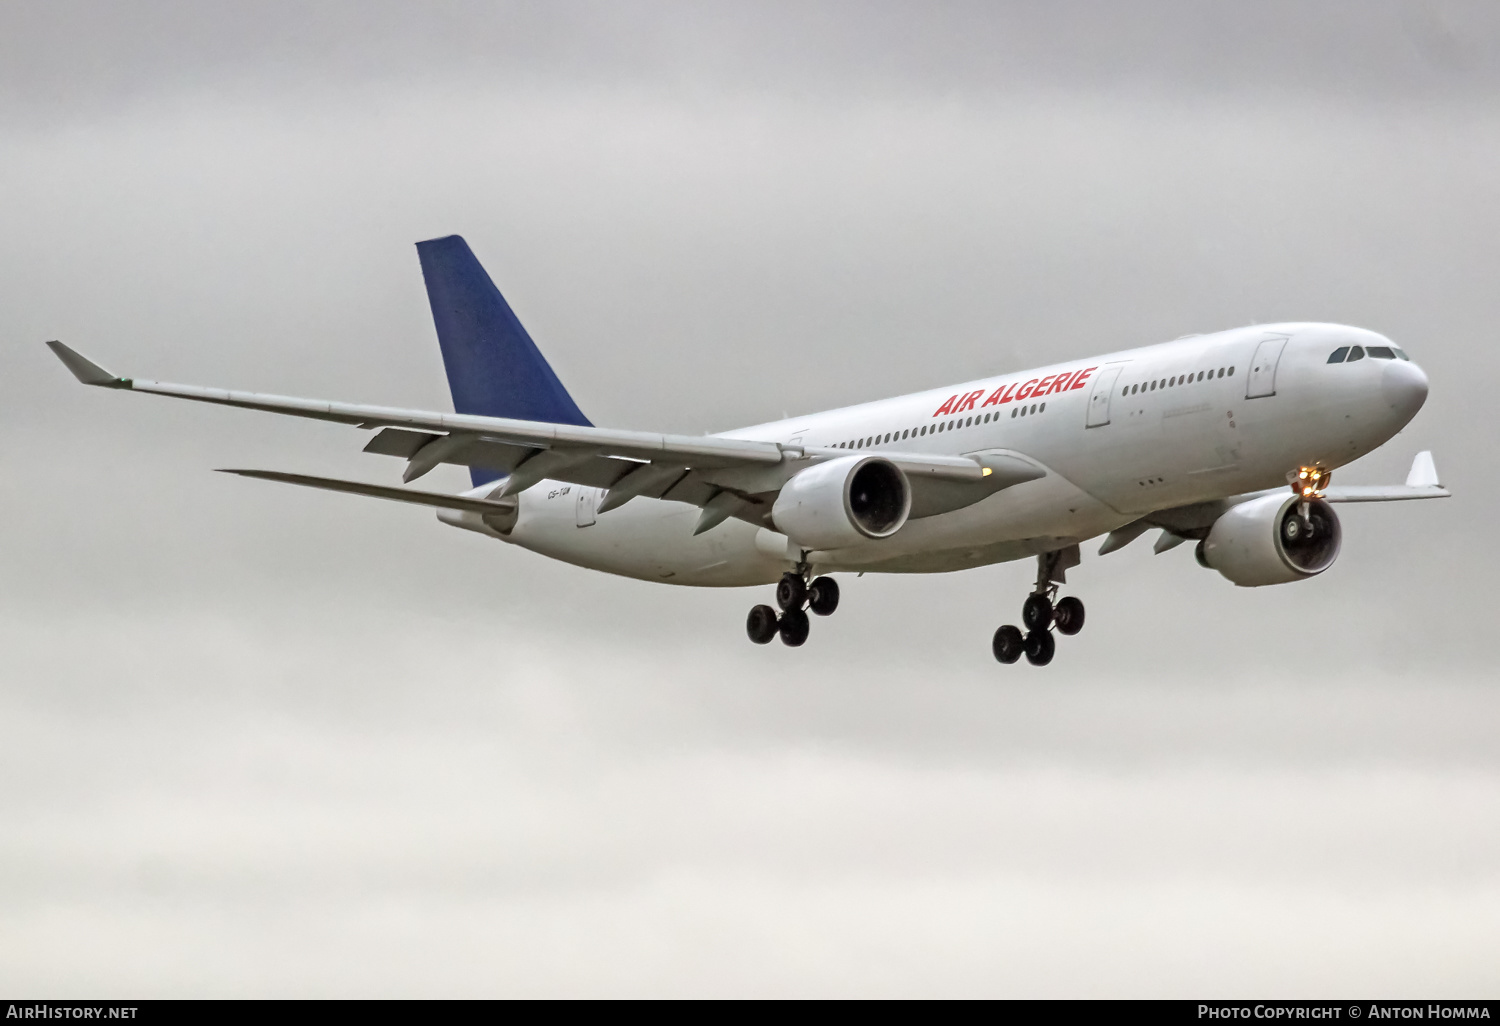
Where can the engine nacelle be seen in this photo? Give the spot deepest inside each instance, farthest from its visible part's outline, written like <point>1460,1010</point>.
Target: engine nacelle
<point>1269,541</point>
<point>842,502</point>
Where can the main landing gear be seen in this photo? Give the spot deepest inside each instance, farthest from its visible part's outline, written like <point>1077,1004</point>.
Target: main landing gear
<point>1041,612</point>
<point>796,597</point>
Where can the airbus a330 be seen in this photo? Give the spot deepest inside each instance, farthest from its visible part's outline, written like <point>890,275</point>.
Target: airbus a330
<point>1226,440</point>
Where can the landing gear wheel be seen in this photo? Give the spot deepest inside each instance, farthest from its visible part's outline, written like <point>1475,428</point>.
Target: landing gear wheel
<point>1008,644</point>
<point>1069,615</point>
<point>791,592</point>
<point>1040,647</point>
<point>761,624</point>
<point>823,596</point>
<point>1036,614</point>
<point>794,627</point>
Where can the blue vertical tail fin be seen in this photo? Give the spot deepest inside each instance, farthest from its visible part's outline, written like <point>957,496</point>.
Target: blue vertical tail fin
<point>494,369</point>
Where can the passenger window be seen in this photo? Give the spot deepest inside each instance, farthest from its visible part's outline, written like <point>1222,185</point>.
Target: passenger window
<point>1043,408</point>
<point>1356,353</point>
<point>1337,356</point>
<point>1012,414</point>
<point>1380,352</point>
<point>1153,386</point>
<point>1231,372</point>
<point>1200,375</point>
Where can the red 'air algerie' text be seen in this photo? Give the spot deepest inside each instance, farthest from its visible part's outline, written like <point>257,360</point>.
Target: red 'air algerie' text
<point>1017,391</point>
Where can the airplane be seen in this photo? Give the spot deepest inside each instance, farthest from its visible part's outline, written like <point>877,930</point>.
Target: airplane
<point>1227,440</point>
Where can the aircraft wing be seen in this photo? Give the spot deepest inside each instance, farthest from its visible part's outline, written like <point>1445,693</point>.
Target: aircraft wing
<point>727,476</point>
<point>1421,483</point>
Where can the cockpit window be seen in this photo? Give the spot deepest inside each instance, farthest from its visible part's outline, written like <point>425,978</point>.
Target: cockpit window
<point>1400,353</point>
<point>1381,352</point>
<point>1356,353</point>
<point>1337,356</point>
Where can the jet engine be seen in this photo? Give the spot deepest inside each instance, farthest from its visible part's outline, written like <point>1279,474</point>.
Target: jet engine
<point>842,502</point>
<point>1272,540</point>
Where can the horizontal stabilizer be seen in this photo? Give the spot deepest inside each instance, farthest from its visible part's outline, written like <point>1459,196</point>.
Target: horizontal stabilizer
<point>439,499</point>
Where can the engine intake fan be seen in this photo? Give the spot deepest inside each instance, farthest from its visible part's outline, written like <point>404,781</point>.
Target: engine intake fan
<point>843,502</point>
<point>1273,540</point>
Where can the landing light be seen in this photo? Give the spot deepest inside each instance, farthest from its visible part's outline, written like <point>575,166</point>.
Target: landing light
<point>1309,482</point>
<point>985,472</point>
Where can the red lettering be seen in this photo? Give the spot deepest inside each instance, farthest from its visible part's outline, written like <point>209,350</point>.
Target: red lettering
<point>947,407</point>
<point>993,399</point>
<point>1041,386</point>
<point>1026,389</point>
<point>967,403</point>
<point>1061,384</point>
<point>1010,393</point>
<point>1082,377</point>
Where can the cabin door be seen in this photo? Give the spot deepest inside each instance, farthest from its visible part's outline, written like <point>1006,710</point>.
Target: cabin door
<point>1104,388</point>
<point>1262,379</point>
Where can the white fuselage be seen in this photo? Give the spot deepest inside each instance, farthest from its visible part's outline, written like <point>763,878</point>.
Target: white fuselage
<point>1120,435</point>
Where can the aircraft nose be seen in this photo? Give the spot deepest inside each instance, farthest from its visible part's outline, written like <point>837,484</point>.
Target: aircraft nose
<point>1404,386</point>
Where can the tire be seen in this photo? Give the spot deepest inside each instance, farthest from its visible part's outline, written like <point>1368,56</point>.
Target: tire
<point>1008,644</point>
<point>761,624</point>
<point>1036,614</point>
<point>1201,555</point>
<point>794,627</point>
<point>791,592</point>
<point>1069,615</point>
<point>1040,647</point>
<point>823,596</point>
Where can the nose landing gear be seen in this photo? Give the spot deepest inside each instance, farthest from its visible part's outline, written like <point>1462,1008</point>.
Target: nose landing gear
<point>1041,612</point>
<point>796,596</point>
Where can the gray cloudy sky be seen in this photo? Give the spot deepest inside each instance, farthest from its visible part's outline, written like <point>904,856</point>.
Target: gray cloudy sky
<point>257,741</point>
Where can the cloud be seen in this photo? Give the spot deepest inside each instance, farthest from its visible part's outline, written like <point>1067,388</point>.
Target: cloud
<point>383,806</point>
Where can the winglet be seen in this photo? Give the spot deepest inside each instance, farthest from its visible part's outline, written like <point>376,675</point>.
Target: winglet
<point>1423,472</point>
<point>85,370</point>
